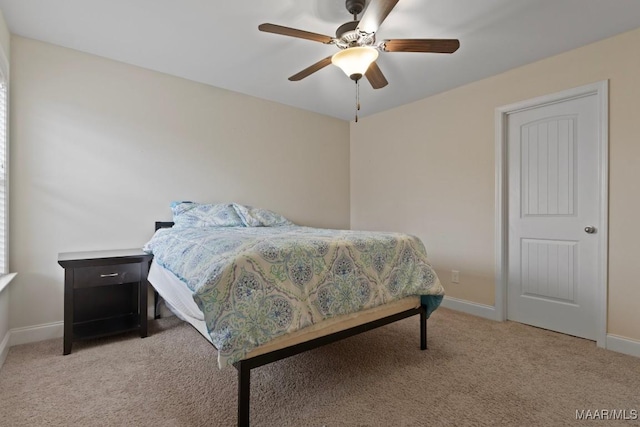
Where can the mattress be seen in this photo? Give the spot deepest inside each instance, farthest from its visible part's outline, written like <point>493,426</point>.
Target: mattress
<point>179,299</point>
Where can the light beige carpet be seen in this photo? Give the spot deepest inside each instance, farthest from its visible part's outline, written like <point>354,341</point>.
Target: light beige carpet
<point>475,373</point>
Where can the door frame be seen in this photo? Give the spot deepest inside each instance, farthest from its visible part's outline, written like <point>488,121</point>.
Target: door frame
<point>601,91</point>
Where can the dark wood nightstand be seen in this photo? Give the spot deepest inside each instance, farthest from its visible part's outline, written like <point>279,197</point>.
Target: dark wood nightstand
<point>105,292</point>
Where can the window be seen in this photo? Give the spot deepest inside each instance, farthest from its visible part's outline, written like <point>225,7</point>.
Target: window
<point>4,108</point>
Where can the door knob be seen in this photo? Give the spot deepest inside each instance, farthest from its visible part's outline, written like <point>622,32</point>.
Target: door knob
<point>590,229</point>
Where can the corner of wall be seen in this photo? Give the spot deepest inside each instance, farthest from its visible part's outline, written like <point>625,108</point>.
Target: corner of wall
<point>4,348</point>
<point>5,332</point>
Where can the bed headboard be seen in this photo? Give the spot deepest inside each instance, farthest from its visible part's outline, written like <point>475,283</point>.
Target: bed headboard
<point>163,224</point>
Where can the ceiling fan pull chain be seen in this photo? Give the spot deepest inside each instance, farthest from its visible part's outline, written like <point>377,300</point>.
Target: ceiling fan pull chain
<point>357,99</point>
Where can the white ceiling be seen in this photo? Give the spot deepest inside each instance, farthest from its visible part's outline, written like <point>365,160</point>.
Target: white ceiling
<point>218,43</point>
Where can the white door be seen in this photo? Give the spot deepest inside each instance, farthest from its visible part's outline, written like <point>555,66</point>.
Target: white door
<point>553,155</point>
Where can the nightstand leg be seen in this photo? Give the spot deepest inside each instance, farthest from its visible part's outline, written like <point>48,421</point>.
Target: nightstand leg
<point>68,311</point>
<point>144,289</point>
<point>67,344</point>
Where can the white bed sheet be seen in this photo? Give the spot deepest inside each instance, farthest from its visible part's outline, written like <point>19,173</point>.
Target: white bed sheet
<point>177,296</point>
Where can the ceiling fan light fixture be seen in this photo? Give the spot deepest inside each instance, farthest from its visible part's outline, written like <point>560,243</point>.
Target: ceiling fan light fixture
<point>355,61</point>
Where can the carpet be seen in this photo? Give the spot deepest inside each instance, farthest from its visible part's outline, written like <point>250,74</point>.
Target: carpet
<point>476,372</point>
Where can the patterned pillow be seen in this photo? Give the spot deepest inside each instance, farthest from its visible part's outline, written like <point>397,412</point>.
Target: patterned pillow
<point>258,217</point>
<point>190,214</point>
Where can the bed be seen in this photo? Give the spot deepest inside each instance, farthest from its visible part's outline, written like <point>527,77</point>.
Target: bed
<point>260,288</point>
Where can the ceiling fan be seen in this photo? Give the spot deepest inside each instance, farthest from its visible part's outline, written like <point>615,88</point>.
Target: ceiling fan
<point>357,43</point>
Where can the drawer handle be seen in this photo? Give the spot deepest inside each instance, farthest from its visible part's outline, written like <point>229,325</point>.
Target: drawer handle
<point>109,275</point>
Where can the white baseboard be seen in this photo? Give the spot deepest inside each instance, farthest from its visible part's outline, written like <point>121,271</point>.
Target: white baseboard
<point>473,308</point>
<point>4,348</point>
<point>36,333</point>
<point>623,345</point>
<point>53,330</point>
<point>614,342</point>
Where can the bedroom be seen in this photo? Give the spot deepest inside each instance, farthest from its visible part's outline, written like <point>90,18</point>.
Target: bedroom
<point>120,127</point>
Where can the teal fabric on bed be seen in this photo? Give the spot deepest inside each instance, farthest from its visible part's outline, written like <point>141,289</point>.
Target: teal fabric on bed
<point>431,302</point>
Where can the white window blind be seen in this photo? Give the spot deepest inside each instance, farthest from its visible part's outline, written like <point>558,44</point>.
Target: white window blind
<point>3,174</point>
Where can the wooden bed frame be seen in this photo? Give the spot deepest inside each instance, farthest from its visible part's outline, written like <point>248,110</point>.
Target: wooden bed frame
<point>245,366</point>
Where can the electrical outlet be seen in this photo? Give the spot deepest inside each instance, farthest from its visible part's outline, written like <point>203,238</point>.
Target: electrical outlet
<point>455,276</point>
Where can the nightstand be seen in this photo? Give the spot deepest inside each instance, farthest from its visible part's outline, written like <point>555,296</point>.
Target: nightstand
<point>105,292</point>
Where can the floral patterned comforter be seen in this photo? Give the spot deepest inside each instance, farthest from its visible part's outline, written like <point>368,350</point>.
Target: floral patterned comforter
<point>254,284</point>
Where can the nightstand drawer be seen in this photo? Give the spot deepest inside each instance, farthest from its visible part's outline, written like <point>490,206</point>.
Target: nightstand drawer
<point>86,277</point>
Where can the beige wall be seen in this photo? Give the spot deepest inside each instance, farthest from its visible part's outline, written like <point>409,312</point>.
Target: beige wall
<point>428,168</point>
<point>100,149</point>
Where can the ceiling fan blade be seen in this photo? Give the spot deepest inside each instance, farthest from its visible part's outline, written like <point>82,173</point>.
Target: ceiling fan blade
<point>312,69</point>
<point>375,76</point>
<point>292,32</point>
<point>375,14</point>
<point>422,45</point>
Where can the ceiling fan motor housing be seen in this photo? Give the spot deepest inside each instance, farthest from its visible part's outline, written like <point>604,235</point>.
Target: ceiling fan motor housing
<point>347,32</point>
<point>355,7</point>
<point>348,36</point>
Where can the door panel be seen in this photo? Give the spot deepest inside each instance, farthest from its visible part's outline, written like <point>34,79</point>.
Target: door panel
<point>548,171</point>
<point>553,182</point>
<point>548,269</point>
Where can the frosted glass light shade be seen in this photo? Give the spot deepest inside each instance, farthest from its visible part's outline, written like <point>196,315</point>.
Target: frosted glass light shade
<point>355,61</point>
